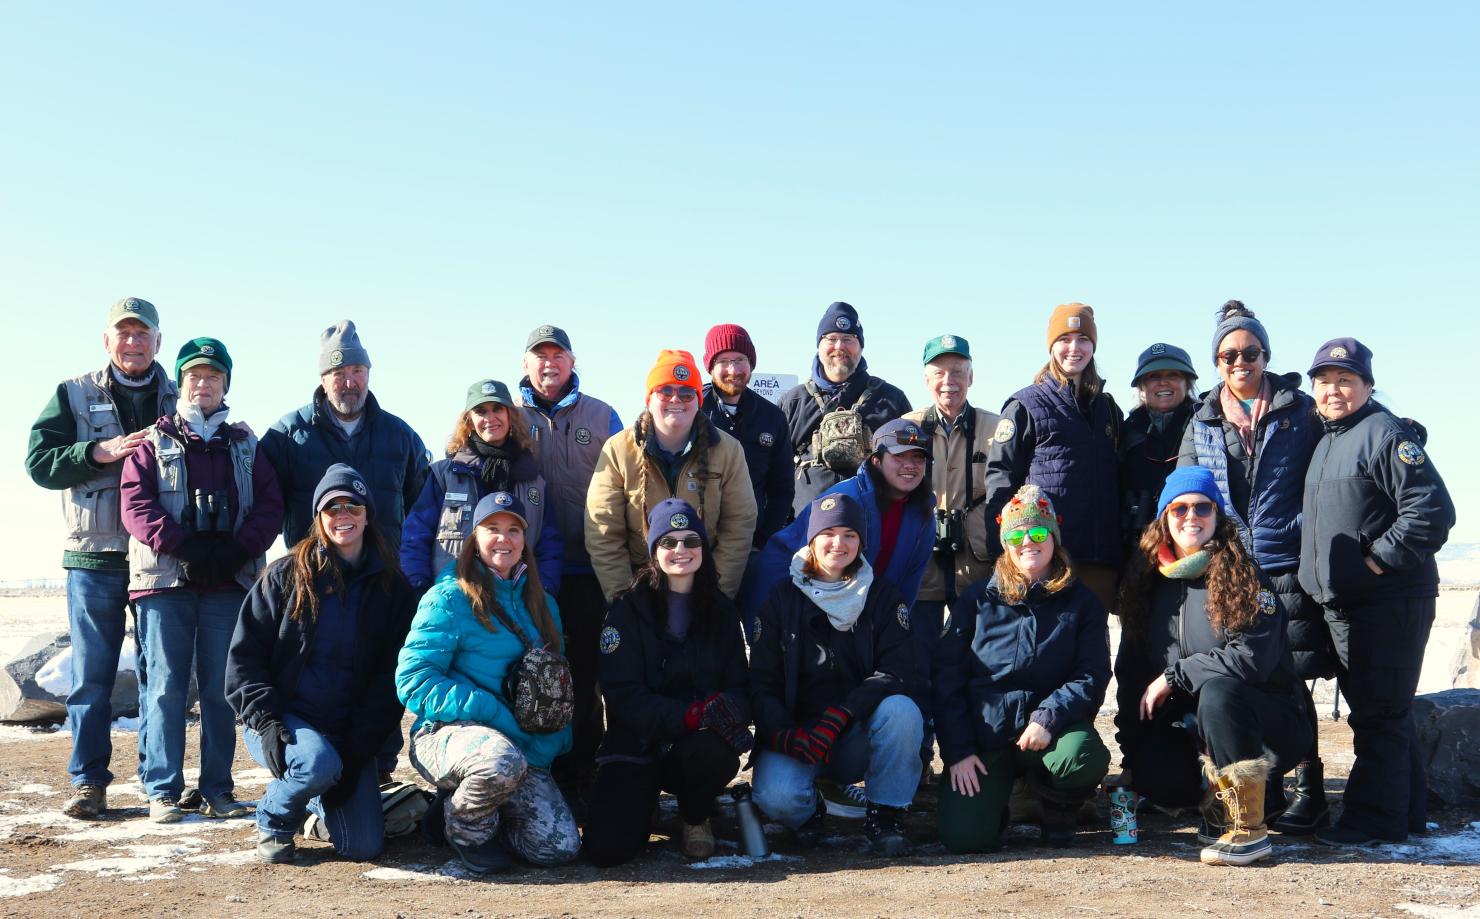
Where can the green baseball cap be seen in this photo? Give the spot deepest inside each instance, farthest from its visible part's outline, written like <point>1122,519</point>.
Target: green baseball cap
<point>203,350</point>
<point>946,344</point>
<point>488,391</point>
<point>134,308</point>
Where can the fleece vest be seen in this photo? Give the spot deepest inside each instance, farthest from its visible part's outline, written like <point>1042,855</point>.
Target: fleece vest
<point>567,447</point>
<point>460,497</point>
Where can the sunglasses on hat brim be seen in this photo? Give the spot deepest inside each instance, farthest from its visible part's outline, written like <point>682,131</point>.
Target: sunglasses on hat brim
<point>1016,537</point>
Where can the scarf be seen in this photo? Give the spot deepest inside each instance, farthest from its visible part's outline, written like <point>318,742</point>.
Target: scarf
<point>204,428</point>
<point>842,601</point>
<point>1247,421</point>
<point>828,387</point>
<point>1188,568</point>
<point>498,462</point>
<point>124,379</point>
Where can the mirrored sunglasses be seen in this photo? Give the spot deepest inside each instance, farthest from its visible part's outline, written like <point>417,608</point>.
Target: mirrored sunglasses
<point>1250,355</point>
<point>1016,537</point>
<point>343,507</point>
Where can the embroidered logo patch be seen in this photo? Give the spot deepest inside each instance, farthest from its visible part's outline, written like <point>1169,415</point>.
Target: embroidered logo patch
<point>902,613</point>
<point>1158,348</point>
<point>828,504</point>
<point>1110,431</point>
<point>207,350</point>
<point>1005,430</point>
<point>611,639</point>
<point>1411,453</point>
<point>132,305</point>
<point>534,496</point>
<point>1267,604</point>
<point>1075,322</point>
<point>358,486</point>
<point>503,499</point>
<point>948,341</point>
<point>844,323</point>
<point>1338,352</point>
<point>755,633</point>
<point>490,388</point>
<point>766,440</point>
<point>583,435</point>
<point>680,373</point>
<point>679,521</point>
<point>336,357</point>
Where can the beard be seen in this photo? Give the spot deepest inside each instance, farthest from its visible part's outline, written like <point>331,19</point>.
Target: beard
<point>346,404</point>
<point>727,389</point>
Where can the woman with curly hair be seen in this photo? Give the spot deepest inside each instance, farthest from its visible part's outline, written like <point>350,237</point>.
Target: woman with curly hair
<point>1204,667</point>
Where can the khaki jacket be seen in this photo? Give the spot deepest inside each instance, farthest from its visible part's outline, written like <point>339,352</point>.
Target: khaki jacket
<point>949,468</point>
<point>627,485</point>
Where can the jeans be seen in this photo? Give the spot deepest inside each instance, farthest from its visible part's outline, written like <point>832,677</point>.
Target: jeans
<point>177,628</point>
<point>97,613</point>
<point>883,751</point>
<point>356,825</point>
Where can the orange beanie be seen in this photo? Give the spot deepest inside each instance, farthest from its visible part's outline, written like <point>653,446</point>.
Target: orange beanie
<point>673,366</point>
<point>1073,317</point>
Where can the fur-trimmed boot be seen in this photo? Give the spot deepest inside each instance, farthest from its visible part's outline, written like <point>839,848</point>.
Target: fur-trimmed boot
<point>1241,791</point>
<point>1308,810</point>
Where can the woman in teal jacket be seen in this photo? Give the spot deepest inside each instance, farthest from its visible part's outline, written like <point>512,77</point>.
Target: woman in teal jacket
<point>495,793</point>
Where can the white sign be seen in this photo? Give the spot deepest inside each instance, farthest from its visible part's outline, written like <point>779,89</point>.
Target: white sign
<point>772,385</point>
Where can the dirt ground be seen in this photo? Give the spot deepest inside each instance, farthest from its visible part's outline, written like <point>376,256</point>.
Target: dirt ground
<point>51,865</point>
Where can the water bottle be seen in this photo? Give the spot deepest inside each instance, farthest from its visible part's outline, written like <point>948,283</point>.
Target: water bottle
<point>1122,814</point>
<point>752,835</point>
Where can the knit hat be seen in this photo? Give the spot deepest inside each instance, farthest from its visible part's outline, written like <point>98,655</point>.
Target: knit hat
<point>673,366</point>
<point>727,337</point>
<point>1030,507</point>
<point>1073,317</point>
<point>499,502</point>
<point>1233,316</point>
<point>901,436</point>
<point>670,516</point>
<point>199,351</point>
<point>946,344</point>
<point>1189,480</point>
<point>836,510</point>
<point>1162,356</point>
<point>1346,353</point>
<point>339,345</point>
<point>488,391</point>
<point>842,318</point>
<point>134,308</point>
<point>342,481</point>
<point>547,335</point>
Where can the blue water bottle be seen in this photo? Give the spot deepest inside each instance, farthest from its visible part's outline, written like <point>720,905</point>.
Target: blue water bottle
<point>1122,815</point>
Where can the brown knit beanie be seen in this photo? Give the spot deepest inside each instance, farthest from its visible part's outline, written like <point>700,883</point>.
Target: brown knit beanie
<point>1073,317</point>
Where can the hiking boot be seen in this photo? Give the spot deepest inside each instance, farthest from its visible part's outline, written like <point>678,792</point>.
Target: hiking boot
<point>809,834</point>
<point>696,840</point>
<point>1241,791</point>
<point>191,800</point>
<point>843,800</point>
<point>90,801</point>
<point>164,810</point>
<point>276,850</point>
<point>1308,810</point>
<point>223,805</point>
<point>1023,805</point>
<point>884,827</point>
<point>1344,837</point>
<point>1060,817</point>
<point>486,857</point>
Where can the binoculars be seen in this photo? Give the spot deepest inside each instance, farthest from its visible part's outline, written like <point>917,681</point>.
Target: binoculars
<point>208,512</point>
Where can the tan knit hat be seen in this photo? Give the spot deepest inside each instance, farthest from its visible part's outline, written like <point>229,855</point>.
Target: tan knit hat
<point>1073,317</point>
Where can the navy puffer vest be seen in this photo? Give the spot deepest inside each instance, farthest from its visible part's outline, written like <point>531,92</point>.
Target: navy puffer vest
<point>1074,461</point>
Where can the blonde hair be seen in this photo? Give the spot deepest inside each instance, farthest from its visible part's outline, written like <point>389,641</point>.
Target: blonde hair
<point>1013,584</point>
<point>1090,381</point>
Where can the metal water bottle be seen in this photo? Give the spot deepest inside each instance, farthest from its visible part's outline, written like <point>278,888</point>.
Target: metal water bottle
<point>1122,814</point>
<point>752,834</point>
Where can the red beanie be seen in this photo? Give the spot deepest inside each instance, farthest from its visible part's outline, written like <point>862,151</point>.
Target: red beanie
<point>673,366</point>
<point>727,337</point>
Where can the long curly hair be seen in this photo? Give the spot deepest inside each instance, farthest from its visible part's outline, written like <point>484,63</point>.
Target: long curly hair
<point>698,458</point>
<point>462,430</point>
<point>312,570</point>
<point>1233,581</point>
<point>475,580</point>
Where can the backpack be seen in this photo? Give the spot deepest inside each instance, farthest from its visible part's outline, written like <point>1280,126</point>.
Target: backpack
<point>842,439</point>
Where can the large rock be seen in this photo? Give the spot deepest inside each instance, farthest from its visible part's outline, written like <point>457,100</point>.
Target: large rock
<point>1466,666</point>
<point>1449,736</point>
<point>34,684</point>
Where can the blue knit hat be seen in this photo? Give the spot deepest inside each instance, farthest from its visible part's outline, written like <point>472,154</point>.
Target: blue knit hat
<point>670,516</point>
<point>500,502</point>
<point>1233,316</point>
<point>840,318</point>
<point>342,480</point>
<point>1189,480</point>
<point>836,510</point>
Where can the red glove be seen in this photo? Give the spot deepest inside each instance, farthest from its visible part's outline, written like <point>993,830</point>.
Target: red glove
<point>797,744</point>
<point>693,716</point>
<point>826,730</point>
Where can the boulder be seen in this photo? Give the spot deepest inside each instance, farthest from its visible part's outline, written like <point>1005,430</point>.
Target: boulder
<point>1466,666</point>
<point>34,684</point>
<point>1448,725</point>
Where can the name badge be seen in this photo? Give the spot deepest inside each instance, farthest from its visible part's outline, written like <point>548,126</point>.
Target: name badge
<point>456,497</point>
<point>101,407</point>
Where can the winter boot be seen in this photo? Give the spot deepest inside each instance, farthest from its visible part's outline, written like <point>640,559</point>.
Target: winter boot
<point>1210,810</point>
<point>1308,810</point>
<point>1060,816</point>
<point>884,827</point>
<point>1241,791</point>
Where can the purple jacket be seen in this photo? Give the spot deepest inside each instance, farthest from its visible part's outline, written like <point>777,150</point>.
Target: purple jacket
<point>207,467</point>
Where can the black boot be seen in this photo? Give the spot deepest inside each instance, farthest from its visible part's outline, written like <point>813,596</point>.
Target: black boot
<point>1060,816</point>
<point>884,827</point>
<point>1308,810</point>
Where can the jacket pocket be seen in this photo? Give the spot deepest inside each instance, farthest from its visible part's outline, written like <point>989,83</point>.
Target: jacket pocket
<point>1350,576</point>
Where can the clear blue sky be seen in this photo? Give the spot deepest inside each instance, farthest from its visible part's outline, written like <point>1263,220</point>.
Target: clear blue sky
<point>453,175</point>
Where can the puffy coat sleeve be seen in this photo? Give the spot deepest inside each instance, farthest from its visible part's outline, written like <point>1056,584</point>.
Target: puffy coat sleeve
<point>736,525</point>
<point>1007,465</point>
<point>418,465</point>
<point>606,519</point>
<point>1084,688</point>
<point>419,534</point>
<point>622,673</point>
<point>424,678</point>
<point>549,554</point>
<point>1425,512</point>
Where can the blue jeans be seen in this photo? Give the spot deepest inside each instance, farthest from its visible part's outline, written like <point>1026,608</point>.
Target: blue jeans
<point>97,614</point>
<point>177,628</point>
<point>883,751</point>
<point>356,826</point>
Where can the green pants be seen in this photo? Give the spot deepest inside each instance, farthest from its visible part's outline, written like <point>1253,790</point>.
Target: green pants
<point>1072,765</point>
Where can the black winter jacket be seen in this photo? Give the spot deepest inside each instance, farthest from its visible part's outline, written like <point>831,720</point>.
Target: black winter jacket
<point>761,429</point>
<point>878,406</point>
<point>637,663</point>
<point>1147,454</point>
<point>1002,665</point>
<point>1371,490</point>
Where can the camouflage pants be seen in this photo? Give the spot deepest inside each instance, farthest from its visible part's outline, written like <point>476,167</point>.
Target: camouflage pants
<point>495,790</point>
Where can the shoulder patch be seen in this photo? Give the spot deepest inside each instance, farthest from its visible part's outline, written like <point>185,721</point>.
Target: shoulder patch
<point>534,495</point>
<point>902,613</point>
<point>766,439</point>
<point>1411,453</point>
<point>755,633</point>
<point>611,639</point>
<point>1267,604</point>
<point>583,436</point>
<point>1005,430</point>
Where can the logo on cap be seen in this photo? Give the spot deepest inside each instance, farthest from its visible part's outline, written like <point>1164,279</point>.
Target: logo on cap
<point>503,499</point>
<point>1339,353</point>
<point>490,388</point>
<point>766,439</point>
<point>207,350</point>
<point>131,305</point>
<point>680,373</point>
<point>948,341</point>
<point>336,357</point>
<point>583,436</point>
<point>828,504</point>
<point>358,486</point>
<point>1158,348</point>
<point>1075,322</point>
<point>546,330</point>
<point>843,323</point>
<point>679,521</point>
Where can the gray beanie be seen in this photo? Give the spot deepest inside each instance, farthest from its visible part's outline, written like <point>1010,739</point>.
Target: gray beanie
<point>339,345</point>
<point>1232,316</point>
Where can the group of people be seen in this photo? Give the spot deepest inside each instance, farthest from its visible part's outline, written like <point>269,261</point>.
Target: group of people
<point>581,614</point>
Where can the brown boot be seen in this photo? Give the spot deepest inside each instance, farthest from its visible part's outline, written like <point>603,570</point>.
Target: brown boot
<point>1241,791</point>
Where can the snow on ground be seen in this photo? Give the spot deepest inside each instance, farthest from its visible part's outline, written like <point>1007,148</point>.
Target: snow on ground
<point>23,887</point>
<point>453,870</point>
<point>740,861</point>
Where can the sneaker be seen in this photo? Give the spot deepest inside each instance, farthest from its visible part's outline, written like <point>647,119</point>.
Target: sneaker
<point>696,841</point>
<point>89,802</point>
<point>884,827</point>
<point>164,810</point>
<point>191,800</point>
<point>1343,837</point>
<point>223,805</point>
<point>843,800</point>
<point>276,850</point>
<point>485,857</point>
<point>809,834</point>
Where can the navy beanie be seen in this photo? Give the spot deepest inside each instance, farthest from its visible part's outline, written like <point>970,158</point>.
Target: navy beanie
<point>841,318</point>
<point>342,479</point>
<point>1346,353</point>
<point>1232,316</point>
<point>670,516</point>
<point>836,510</point>
<point>1189,480</point>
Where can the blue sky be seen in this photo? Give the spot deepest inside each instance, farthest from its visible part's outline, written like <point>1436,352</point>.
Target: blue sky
<point>450,177</point>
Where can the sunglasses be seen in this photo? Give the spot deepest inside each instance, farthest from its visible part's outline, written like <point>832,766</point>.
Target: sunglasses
<point>344,507</point>
<point>1250,355</point>
<point>909,439</point>
<point>670,393</point>
<point>688,542</point>
<point>1016,537</point>
<point>1200,508</point>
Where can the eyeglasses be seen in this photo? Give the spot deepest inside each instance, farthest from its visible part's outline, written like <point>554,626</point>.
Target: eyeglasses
<point>688,542</point>
<point>1016,537</point>
<point>1250,355</point>
<point>1200,508</point>
<point>736,363</point>
<point>670,393</point>
<point>838,341</point>
<point>344,507</point>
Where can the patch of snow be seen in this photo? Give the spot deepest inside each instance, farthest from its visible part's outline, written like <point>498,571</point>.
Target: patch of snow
<point>187,845</point>
<point>55,676</point>
<point>419,873</point>
<point>1462,847</point>
<point>126,724</point>
<point>139,829</point>
<point>119,866</point>
<point>24,887</point>
<point>35,789</point>
<point>143,878</point>
<point>740,861</point>
<point>15,733</point>
<point>9,824</point>
<point>241,857</point>
<point>1431,911</point>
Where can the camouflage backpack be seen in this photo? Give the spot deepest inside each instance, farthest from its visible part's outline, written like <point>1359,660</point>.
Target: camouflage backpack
<point>539,689</point>
<point>842,438</point>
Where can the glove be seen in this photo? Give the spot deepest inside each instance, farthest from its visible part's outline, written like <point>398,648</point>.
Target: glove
<point>349,780</point>
<point>275,739</point>
<point>723,717</point>
<point>797,744</point>
<point>824,732</point>
<point>693,716</point>
<point>196,556</point>
<point>228,556</point>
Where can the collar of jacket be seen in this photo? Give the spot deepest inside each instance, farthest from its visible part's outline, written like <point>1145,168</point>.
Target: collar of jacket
<point>827,387</point>
<point>1350,421</point>
<point>566,401</point>
<point>169,427</point>
<point>711,400</point>
<point>965,420</point>
<point>1284,392</point>
<point>321,409</point>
